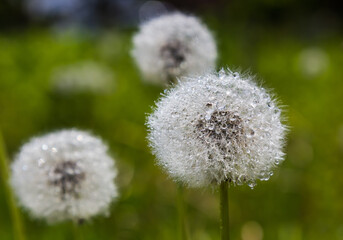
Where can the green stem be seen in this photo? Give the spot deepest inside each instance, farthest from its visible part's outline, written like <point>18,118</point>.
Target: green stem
<point>224,211</point>
<point>18,231</point>
<point>77,231</point>
<point>181,213</point>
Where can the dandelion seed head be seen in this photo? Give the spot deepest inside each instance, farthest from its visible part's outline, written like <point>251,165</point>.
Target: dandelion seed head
<point>173,45</point>
<point>64,175</point>
<point>217,127</point>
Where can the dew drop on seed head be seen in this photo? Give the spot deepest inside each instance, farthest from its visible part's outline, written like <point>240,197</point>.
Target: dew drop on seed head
<point>79,138</point>
<point>266,178</point>
<point>222,74</point>
<point>208,117</point>
<point>174,114</point>
<point>41,161</point>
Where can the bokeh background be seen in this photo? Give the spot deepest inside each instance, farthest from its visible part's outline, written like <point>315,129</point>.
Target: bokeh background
<point>296,47</point>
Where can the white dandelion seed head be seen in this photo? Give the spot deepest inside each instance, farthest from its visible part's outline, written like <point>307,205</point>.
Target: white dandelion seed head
<point>217,127</point>
<point>64,175</point>
<point>86,76</point>
<point>173,45</point>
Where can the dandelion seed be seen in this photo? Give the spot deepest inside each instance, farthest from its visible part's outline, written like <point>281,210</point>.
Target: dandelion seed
<point>224,127</point>
<point>64,175</point>
<point>173,45</point>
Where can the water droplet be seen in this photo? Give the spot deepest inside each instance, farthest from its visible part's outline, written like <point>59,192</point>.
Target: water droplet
<point>207,117</point>
<point>41,161</point>
<point>79,138</point>
<point>221,74</point>
<point>266,178</point>
<point>250,133</point>
<point>174,114</point>
<point>267,134</point>
<point>252,185</point>
<point>222,108</point>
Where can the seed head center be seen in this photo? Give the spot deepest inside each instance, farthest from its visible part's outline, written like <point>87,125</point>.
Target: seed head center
<point>221,125</point>
<point>67,176</point>
<point>173,54</point>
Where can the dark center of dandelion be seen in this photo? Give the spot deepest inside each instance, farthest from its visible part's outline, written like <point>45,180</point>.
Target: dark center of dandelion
<point>221,125</point>
<point>223,133</point>
<point>224,130</point>
<point>67,176</point>
<point>173,55</point>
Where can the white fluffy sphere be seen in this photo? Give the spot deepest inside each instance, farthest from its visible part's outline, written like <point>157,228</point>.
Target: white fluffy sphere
<point>217,127</point>
<point>173,45</point>
<point>64,175</point>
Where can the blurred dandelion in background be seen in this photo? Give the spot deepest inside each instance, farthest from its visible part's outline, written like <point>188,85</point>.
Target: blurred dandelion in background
<point>313,61</point>
<point>65,175</point>
<point>173,45</point>
<point>251,231</point>
<point>86,76</point>
<point>217,127</point>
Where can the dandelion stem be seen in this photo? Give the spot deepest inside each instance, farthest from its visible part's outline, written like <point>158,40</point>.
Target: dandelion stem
<point>18,229</point>
<point>224,211</point>
<point>181,213</point>
<point>77,231</point>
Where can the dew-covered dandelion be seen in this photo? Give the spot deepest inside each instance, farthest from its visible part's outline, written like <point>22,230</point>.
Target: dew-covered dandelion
<point>173,45</point>
<point>65,175</point>
<point>217,128</point>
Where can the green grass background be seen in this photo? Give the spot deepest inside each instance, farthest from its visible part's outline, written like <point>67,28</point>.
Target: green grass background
<point>304,198</point>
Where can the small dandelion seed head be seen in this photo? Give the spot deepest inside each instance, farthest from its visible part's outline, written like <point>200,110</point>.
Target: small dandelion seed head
<point>64,175</point>
<point>217,127</point>
<point>87,76</point>
<point>173,45</point>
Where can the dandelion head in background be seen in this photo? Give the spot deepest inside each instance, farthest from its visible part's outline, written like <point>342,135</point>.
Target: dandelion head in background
<point>173,45</point>
<point>313,61</point>
<point>65,175</point>
<point>215,128</point>
<point>87,76</point>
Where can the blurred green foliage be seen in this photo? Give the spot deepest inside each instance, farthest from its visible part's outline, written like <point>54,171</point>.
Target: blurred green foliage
<point>304,198</point>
